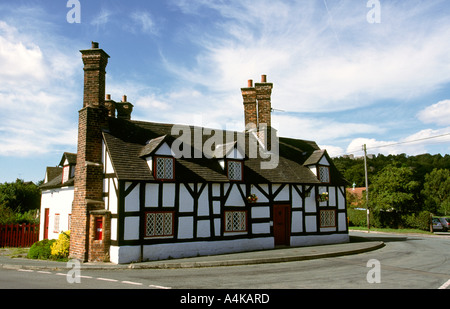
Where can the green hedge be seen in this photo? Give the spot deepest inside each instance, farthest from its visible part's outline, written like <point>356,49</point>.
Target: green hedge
<point>394,220</point>
<point>41,249</point>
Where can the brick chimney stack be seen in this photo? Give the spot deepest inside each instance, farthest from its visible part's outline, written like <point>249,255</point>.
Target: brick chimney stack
<point>250,109</point>
<point>88,195</point>
<point>124,108</point>
<point>95,61</point>
<point>258,109</point>
<point>263,94</point>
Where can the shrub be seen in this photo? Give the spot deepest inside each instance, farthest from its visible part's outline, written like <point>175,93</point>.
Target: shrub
<point>60,248</point>
<point>41,249</point>
<point>419,220</point>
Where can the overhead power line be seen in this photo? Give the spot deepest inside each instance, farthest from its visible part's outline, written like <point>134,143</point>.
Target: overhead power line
<point>401,143</point>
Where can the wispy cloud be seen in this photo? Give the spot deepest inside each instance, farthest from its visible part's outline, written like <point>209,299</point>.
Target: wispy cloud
<point>102,18</point>
<point>145,22</point>
<point>323,57</point>
<point>295,43</point>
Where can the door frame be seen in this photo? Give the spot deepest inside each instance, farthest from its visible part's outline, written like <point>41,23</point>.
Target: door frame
<point>46,222</point>
<point>282,225</point>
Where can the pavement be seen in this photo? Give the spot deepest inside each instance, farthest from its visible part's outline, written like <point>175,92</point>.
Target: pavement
<point>278,255</point>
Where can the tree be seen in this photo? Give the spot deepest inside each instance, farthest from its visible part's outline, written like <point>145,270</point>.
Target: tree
<point>436,190</point>
<point>20,196</point>
<point>394,189</point>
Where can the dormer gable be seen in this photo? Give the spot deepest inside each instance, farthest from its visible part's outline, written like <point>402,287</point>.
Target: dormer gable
<point>160,157</point>
<point>319,164</point>
<point>68,162</point>
<point>231,158</point>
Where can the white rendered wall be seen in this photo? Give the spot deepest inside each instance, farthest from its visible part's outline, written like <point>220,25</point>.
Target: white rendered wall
<point>58,201</point>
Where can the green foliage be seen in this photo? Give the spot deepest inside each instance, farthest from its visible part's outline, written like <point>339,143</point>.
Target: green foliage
<point>20,196</point>
<point>436,190</point>
<point>403,189</point>
<point>419,220</point>
<point>54,249</point>
<point>41,249</point>
<point>394,188</point>
<point>8,216</point>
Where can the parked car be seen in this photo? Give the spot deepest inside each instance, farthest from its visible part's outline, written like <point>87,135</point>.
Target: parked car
<point>448,222</point>
<point>440,224</point>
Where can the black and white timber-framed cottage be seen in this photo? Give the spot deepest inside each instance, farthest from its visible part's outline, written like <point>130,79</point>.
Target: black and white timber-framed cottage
<point>149,191</point>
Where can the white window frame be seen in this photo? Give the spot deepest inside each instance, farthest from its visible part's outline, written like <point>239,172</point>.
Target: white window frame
<point>66,173</point>
<point>56,222</point>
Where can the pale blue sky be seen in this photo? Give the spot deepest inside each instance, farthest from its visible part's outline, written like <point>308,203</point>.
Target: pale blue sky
<point>339,79</point>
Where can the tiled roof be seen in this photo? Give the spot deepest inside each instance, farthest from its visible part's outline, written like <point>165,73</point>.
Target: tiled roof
<point>70,157</point>
<point>54,174</point>
<point>57,183</point>
<point>128,142</point>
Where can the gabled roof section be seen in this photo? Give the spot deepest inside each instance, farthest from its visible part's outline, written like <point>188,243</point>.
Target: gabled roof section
<point>54,179</point>
<point>52,172</point>
<point>152,146</point>
<point>70,157</point>
<point>130,142</point>
<point>225,150</point>
<point>315,157</point>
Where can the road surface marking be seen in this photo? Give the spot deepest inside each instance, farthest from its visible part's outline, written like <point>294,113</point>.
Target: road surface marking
<point>107,279</point>
<point>114,280</point>
<point>86,277</point>
<point>445,285</point>
<point>130,282</point>
<point>160,287</point>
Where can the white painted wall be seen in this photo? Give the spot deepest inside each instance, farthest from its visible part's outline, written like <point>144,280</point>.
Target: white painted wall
<point>59,201</point>
<point>127,254</point>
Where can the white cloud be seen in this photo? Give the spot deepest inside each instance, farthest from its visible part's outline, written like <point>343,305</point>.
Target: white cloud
<point>318,63</point>
<point>18,61</point>
<point>322,130</point>
<point>36,83</point>
<point>438,113</point>
<point>102,18</point>
<point>145,21</point>
<point>414,144</point>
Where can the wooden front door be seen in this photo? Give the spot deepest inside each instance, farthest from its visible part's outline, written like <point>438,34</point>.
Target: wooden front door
<point>282,224</point>
<point>46,219</point>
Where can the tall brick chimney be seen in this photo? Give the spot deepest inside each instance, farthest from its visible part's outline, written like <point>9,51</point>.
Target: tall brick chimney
<point>263,94</point>
<point>250,106</point>
<point>88,195</point>
<point>258,109</point>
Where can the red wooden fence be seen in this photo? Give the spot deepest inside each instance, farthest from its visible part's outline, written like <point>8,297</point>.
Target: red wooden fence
<point>18,235</point>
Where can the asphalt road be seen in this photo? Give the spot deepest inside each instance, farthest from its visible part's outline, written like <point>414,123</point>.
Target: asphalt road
<point>406,262</point>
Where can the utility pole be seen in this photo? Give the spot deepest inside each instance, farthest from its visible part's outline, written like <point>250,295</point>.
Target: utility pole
<point>367,187</point>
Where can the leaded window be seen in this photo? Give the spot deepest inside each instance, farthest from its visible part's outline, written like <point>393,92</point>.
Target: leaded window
<point>327,218</point>
<point>164,168</point>
<point>235,170</point>
<point>235,221</point>
<point>324,174</point>
<point>158,224</point>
